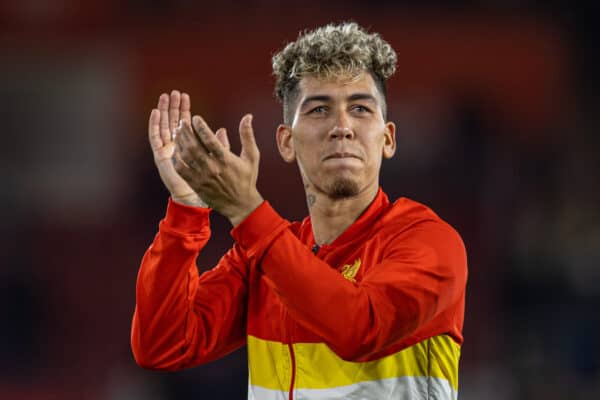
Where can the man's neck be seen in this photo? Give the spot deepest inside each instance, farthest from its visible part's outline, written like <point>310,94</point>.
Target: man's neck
<point>331,217</point>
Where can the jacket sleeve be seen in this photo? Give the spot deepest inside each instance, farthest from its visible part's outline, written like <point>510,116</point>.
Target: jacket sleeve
<point>422,273</point>
<point>182,319</point>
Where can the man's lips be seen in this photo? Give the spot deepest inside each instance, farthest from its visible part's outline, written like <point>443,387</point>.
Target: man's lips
<point>340,155</point>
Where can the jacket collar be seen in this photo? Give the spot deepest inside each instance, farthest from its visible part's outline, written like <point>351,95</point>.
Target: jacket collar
<point>358,229</point>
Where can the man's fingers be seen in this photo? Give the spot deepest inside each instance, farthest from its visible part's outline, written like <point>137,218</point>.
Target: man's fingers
<point>249,149</point>
<point>185,108</point>
<point>163,107</point>
<point>174,109</point>
<point>189,146</point>
<point>221,134</point>
<point>208,139</point>
<point>154,130</point>
<point>181,167</point>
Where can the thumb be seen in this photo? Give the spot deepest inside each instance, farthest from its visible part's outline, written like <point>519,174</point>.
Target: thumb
<point>249,149</point>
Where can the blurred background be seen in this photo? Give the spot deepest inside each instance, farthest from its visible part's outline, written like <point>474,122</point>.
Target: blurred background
<point>496,104</point>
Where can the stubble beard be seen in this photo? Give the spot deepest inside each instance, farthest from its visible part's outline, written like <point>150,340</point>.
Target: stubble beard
<point>342,188</point>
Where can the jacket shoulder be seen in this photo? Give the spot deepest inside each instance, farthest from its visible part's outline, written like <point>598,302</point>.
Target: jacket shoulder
<point>405,214</point>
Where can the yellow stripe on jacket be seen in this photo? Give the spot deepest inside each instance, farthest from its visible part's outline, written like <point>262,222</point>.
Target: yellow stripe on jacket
<point>318,367</point>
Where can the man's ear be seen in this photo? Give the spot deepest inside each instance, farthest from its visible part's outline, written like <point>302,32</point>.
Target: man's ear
<point>285,144</point>
<point>389,142</point>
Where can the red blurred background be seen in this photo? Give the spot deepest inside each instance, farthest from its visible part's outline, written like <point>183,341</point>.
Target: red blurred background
<point>496,108</point>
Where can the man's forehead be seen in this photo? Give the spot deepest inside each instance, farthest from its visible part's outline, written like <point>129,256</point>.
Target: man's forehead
<point>340,85</point>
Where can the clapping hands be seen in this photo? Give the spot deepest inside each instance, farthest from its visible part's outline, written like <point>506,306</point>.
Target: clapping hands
<point>197,166</point>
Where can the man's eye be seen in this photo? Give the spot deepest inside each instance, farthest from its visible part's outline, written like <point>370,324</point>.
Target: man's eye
<point>361,109</point>
<point>318,110</point>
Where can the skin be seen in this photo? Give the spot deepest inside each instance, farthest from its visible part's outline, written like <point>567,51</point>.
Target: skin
<point>338,138</point>
<point>338,134</point>
<point>163,121</point>
<point>181,144</point>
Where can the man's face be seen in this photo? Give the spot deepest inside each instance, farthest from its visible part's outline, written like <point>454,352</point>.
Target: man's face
<point>338,135</point>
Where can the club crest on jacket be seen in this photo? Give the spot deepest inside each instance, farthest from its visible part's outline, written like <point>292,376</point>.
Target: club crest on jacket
<point>349,270</point>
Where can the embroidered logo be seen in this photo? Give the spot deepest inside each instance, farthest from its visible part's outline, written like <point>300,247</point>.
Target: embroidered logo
<point>349,271</point>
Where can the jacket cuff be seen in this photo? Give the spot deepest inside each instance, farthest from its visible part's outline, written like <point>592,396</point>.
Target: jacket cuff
<point>256,232</point>
<point>185,220</point>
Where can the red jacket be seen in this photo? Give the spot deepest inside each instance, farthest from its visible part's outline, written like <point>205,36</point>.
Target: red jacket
<point>378,312</point>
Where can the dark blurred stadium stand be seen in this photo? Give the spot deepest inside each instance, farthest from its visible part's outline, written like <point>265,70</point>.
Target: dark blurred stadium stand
<point>496,104</point>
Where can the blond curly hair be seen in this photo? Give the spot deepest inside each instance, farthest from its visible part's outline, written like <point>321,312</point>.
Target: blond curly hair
<point>331,52</point>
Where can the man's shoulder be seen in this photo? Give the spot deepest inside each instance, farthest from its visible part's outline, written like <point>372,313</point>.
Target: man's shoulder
<point>405,213</point>
<point>410,223</point>
<point>409,211</point>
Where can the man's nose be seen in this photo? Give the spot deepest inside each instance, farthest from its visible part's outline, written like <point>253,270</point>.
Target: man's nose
<point>342,128</point>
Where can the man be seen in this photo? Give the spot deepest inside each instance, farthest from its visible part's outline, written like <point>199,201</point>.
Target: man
<point>364,299</point>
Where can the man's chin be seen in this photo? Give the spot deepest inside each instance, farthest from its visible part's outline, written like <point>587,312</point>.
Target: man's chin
<point>343,188</point>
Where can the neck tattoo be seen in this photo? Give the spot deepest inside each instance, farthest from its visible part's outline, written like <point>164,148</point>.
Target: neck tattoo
<point>311,199</point>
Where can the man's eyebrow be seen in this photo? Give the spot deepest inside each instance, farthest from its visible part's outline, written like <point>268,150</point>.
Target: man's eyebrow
<point>362,96</point>
<point>325,98</point>
<point>318,97</point>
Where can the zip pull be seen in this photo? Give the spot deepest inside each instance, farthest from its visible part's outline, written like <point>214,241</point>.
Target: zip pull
<point>315,249</point>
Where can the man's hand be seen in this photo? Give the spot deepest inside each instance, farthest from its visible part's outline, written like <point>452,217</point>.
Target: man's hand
<point>163,121</point>
<point>227,182</point>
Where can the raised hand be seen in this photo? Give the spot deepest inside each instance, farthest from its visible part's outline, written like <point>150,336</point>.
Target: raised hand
<point>163,121</point>
<point>227,182</point>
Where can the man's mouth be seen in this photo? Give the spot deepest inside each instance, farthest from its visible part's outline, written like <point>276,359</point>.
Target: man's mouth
<point>339,155</point>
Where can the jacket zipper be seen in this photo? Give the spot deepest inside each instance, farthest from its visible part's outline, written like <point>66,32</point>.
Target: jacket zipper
<point>288,324</point>
<point>293,357</point>
<point>289,336</point>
